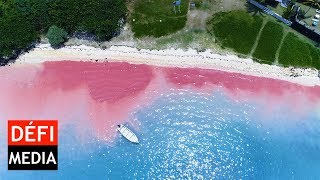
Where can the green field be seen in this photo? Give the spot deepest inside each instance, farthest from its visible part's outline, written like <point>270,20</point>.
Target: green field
<point>269,42</point>
<point>315,54</point>
<point>157,18</point>
<point>239,31</point>
<point>296,52</point>
<point>235,29</point>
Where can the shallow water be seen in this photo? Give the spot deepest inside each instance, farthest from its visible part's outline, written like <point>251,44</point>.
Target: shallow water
<point>186,134</point>
<point>192,123</point>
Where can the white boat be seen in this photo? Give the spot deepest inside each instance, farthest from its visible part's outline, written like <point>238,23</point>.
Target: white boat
<point>127,133</point>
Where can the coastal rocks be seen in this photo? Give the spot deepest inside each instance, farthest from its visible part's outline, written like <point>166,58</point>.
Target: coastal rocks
<point>298,72</point>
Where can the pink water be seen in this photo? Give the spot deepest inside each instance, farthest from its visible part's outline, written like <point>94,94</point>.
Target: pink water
<point>102,95</point>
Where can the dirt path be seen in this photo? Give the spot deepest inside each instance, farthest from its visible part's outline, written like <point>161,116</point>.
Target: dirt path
<point>227,5</point>
<point>197,19</point>
<point>258,38</point>
<point>279,48</point>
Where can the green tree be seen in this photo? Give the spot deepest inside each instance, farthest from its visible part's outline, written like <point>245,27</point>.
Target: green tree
<point>102,22</point>
<point>34,11</point>
<point>16,34</point>
<point>1,9</point>
<point>56,36</point>
<point>99,17</point>
<point>289,12</point>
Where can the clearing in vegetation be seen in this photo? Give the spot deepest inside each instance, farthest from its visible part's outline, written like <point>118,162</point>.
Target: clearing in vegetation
<point>269,42</point>
<point>235,29</point>
<point>157,18</point>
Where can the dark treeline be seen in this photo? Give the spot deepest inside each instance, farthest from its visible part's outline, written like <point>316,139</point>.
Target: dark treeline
<point>23,21</point>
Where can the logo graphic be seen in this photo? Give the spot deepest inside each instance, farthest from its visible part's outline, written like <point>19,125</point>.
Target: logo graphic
<point>32,145</point>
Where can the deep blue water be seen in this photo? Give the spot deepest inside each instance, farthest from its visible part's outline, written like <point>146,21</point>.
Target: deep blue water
<point>193,136</point>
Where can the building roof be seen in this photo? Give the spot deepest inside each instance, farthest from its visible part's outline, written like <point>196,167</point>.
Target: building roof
<point>284,3</point>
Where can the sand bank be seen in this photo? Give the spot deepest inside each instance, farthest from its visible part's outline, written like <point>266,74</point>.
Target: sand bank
<point>171,58</point>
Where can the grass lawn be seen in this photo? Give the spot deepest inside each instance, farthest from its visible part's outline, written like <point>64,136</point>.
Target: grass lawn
<point>269,42</point>
<point>157,18</point>
<point>315,55</point>
<point>235,29</point>
<point>296,52</point>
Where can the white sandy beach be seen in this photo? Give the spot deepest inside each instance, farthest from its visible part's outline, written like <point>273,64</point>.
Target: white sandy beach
<point>171,58</point>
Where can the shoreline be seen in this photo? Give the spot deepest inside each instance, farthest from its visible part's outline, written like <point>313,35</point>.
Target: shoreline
<point>171,58</point>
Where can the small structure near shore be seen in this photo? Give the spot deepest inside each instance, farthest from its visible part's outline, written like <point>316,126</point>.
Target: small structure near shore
<point>192,5</point>
<point>177,4</point>
<point>283,3</point>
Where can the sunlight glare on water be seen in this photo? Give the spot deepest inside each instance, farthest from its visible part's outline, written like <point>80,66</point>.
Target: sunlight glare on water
<point>200,138</point>
<point>190,135</point>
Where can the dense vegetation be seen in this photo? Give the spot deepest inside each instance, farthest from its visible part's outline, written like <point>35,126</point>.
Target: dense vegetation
<point>23,21</point>
<point>295,52</point>
<point>157,18</point>
<point>236,29</point>
<point>269,42</point>
<point>16,34</point>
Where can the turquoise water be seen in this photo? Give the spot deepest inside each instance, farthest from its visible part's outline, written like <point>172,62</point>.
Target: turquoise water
<point>199,136</point>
